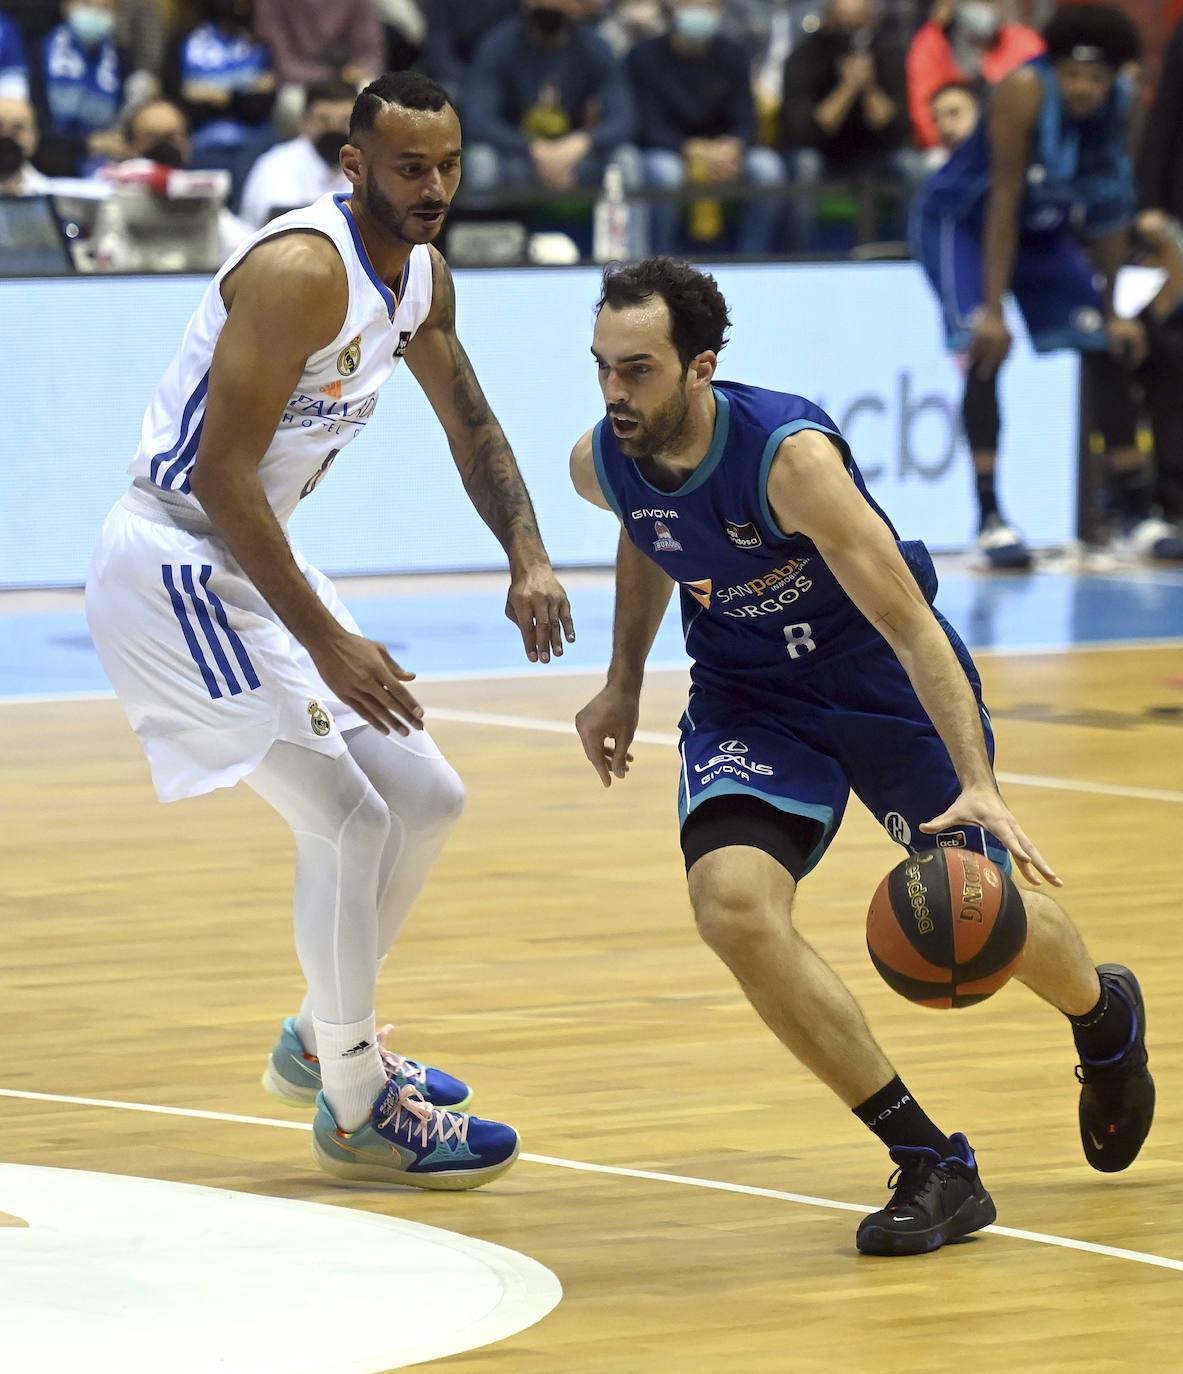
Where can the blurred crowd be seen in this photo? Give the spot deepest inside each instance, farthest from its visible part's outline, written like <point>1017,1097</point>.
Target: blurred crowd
<point>721,125</point>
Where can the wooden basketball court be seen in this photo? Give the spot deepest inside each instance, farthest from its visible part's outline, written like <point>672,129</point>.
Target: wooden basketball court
<point>695,1191</point>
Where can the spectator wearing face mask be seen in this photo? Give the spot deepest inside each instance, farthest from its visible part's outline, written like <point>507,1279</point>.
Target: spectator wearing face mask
<point>18,144</point>
<point>302,169</point>
<point>549,103</point>
<point>82,80</point>
<point>696,121</point>
<point>14,66</point>
<point>968,41</point>
<point>158,215</point>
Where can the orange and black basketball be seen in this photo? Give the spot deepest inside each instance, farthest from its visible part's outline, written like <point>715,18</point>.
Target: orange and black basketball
<point>946,928</point>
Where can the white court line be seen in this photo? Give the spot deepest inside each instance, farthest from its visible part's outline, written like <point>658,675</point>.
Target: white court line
<point>562,727</point>
<point>683,1180</point>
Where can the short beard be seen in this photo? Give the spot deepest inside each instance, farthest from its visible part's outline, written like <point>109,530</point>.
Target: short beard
<point>660,433</point>
<point>382,212</point>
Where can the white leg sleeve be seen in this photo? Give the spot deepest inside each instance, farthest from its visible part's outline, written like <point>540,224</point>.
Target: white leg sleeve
<point>342,826</point>
<point>424,796</point>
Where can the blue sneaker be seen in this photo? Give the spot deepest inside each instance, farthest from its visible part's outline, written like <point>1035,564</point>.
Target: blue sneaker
<point>408,1141</point>
<point>293,1075</point>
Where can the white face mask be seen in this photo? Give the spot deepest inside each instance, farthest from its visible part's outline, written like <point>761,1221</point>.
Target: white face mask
<point>978,19</point>
<point>91,25</point>
<point>698,22</point>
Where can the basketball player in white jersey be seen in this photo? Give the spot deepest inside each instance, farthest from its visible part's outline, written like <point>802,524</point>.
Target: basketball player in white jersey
<point>234,659</point>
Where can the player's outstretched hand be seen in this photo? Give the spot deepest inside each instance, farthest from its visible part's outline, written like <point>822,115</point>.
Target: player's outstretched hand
<point>990,344</point>
<point>610,715</point>
<point>984,807</point>
<point>362,674</point>
<point>538,606</point>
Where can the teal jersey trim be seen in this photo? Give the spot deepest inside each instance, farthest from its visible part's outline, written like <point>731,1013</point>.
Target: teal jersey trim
<point>774,442</point>
<point>602,475</point>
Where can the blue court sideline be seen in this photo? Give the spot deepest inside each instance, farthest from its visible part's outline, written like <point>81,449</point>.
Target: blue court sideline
<point>466,634</point>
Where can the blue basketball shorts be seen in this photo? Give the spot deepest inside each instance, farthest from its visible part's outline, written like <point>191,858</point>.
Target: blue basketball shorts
<point>1054,284</point>
<point>803,750</point>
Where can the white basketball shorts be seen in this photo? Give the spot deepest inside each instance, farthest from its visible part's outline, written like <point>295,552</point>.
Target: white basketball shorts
<point>208,675</point>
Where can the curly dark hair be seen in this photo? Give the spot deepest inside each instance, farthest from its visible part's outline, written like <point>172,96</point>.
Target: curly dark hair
<point>1092,33</point>
<point>411,90</point>
<point>698,312</point>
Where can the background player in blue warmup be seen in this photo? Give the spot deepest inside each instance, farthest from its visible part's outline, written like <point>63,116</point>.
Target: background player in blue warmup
<point>819,666</point>
<point>1038,202</point>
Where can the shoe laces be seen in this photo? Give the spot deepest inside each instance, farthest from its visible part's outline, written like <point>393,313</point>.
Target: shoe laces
<point>912,1175</point>
<point>406,1111</point>
<point>396,1066</point>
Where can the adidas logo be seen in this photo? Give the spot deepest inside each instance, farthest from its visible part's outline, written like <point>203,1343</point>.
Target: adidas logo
<point>357,1049</point>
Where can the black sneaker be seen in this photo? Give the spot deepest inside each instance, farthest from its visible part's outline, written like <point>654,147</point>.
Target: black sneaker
<point>1117,1095</point>
<point>936,1200</point>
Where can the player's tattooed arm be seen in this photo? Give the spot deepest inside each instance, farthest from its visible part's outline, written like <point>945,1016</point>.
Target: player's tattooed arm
<point>479,446</point>
<point>489,471</point>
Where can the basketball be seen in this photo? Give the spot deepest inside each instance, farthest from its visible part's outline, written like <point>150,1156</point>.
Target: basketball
<point>946,928</point>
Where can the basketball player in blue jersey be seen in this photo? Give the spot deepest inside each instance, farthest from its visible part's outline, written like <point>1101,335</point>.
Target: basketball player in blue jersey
<point>236,660</point>
<point>819,667</point>
<point>1038,202</point>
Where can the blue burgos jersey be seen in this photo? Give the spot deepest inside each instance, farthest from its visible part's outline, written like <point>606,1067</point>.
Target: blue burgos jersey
<point>1080,173</point>
<point>757,605</point>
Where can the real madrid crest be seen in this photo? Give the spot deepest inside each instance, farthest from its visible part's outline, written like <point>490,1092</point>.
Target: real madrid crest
<point>349,358</point>
<point>321,724</point>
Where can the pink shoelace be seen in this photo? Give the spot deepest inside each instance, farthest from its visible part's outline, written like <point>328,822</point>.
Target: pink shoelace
<point>394,1063</point>
<point>410,1113</point>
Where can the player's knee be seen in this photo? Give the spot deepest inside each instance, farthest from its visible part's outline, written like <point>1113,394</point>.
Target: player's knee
<point>440,803</point>
<point>367,826</point>
<point>731,917</point>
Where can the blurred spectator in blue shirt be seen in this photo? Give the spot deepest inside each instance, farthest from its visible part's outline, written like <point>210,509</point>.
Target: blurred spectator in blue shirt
<point>549,103</point>
<point>696,121</point>
<point>14,67</point>
<point>454,31</point>
<point>223,78</point>
<point>83,71</point>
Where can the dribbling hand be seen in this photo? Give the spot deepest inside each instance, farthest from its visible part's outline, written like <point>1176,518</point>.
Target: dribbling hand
<point>363,676</point>
<point>985,807</point>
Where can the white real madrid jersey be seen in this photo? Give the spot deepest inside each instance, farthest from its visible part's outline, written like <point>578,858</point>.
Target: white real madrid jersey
<point>337,393</point>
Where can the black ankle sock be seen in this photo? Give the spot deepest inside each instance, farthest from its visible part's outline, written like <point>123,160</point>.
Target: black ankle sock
<point>1132,493</point>
<point>897,1119</point>
<point>1105,1030</point>
<point>987,500</point>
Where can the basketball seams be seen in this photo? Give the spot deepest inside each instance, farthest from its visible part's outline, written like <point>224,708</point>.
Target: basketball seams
<point>945,928</point>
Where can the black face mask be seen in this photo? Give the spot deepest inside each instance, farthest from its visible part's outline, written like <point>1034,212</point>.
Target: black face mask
<point>549,23</point>
<point>328,146</point>
<point>166,153</point>
<point>12,157</point>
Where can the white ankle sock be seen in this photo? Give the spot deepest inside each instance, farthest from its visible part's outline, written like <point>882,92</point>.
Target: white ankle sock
<point>350,1069</point>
